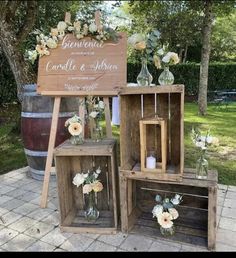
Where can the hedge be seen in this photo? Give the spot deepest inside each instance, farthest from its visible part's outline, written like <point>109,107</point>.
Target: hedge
<point>222,76</point>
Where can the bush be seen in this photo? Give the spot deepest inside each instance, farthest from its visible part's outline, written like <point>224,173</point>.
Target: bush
<point>222,76</point>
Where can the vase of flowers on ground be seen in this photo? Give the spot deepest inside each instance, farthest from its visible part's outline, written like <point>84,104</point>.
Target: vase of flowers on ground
<point>165,211</point>
<point>202,142</point>
<point>144,45</point>
<point>91,186</point>
<point>95,111</point>
<point>163,59</point>
<point>75,128</point>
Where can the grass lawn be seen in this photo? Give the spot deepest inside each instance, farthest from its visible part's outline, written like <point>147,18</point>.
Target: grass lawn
<point>221,121</point>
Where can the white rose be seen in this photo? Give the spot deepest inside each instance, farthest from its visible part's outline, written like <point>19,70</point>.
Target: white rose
<point>92,27</point>
<point>160,52</point>
<point>95,175</point>
<point>166,58</point>
<point>61,26</point>
<point>98,171</point>
<point>78,179</point>
<point>85,175</point>
<point>209,139</point>
<point>200,144</point>
<point>93,114</point>
<point>51,43</point>
<point>101,104</point>
<point>157,210</point>
<point>175,201</point>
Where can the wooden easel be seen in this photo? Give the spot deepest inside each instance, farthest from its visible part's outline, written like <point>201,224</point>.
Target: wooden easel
<point>55,115</point>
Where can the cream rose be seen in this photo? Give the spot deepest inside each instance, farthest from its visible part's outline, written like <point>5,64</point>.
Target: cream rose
<point>61,26</point>
<point>140,46</point>
<point>51,43</point>
<point>87,188</point>
<point>93,114</point>
<point>78,179</point>
<point>174,213</point>
<point>97,186</point>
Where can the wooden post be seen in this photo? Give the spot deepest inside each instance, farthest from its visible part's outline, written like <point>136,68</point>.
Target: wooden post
<point>51,145</point>
<point>212,204</point>
<point>68,17</point>
<point>107,117</point>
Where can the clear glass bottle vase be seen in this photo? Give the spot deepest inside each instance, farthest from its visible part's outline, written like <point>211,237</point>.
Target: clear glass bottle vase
<point>166,77</point>
<point>97,131</point>
<point>144,78</point>
<point>91,211</point>
<point>201,168</point>
<point>166,232</point>
<point>76,139</point>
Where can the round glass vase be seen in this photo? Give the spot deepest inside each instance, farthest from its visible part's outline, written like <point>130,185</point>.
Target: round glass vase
<point>167,232</point>
<point>76,139</point>
<point>201,168</point>
<point>91,212</point>
<point>97,131</point>
<point>166,77</point>
<point>144,78</point>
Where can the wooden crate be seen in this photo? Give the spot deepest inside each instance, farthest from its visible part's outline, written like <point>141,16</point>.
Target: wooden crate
<point>137,103</point>
<point>71,159</point>
<point>197,213</point>
<point>149,141</point>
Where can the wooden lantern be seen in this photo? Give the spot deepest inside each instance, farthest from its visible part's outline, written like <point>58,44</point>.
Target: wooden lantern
<point>153,137</point>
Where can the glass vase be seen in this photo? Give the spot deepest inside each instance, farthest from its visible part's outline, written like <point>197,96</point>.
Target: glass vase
<point>76,139</point>
<point>91,212</point>
<point>167,232</point>
<point>144,78</point>
<point>201,168</point>
<point>97,131</point>
<point>166,77</point>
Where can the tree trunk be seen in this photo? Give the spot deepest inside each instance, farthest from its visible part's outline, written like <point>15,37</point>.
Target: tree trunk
<point>185,54</point>
<point>205,55</point>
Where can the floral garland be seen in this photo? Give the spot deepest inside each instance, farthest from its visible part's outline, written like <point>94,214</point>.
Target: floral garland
<point>80,30</point>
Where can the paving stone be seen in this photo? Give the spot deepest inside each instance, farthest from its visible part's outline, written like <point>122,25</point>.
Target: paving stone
<point>4,199</point>
<point>19,243</point>
<point>93,236</point>
<point>40,246</point>
<point>28,196</point>
<point>16,193</point>
<point>40,214</point>
<point>222,187</point>
<point>163,246</point>
<point>59,250</point>
<point>221,193</point>
<point>77,243</point>
<point>53,203</point>
<point>98,246</point>
<point>136,243</point>
<point>26,208</point>
<point>9,181</point>
<point>6,234</point>
<point>229,213</point>
<point>19,176</point>
<point>20,183</point>
<point>226,237</point>
<point>115,240</point>
<point>232,188</point>
<point>219,210</point>
<point>231,195</point>
<point>6,189</point>
<point>3,211</point>
<point>34,187</point>
<point>9,218</point>
<point>230,203</point>
<point>227,223</point>
<point>55,237</point>
<point>220,201</point>
<point>12,204</point>
<point>224,248</point>
<point>39,230</point>
<point>52,219</point>
<point>22,224</point>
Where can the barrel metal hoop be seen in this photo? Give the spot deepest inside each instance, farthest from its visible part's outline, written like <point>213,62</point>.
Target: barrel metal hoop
<point>45,115</point>
<point>35,153</point>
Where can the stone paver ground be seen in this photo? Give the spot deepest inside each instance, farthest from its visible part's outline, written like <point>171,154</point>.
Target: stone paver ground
<point>24,226</point>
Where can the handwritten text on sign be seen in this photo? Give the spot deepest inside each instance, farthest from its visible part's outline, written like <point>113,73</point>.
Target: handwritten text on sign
<point>83,65</point>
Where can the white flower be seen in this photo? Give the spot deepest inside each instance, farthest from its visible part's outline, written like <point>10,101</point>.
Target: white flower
<point>61,26</point>
<point>136,38</point>
<point>98,170</point>
<point>75,129</point>
<point>78,179</point>
<point>93,114</point>
<point>176,200</point>
<point>92,27</point>
<point>85,175</point>
<point>51,43</point>
<point>79,36</point>
<point>32,55</point>
<point>160,52</point>
<point>166,58</point>
<point>174,213</point>
<point>165,220</point>
<point>200,144</point>
<point>101,104</point>
<point>70,28</point>
<point>157,210</point>
<point>61,35</point>
<point>209,139</point>
<point>95,175</point>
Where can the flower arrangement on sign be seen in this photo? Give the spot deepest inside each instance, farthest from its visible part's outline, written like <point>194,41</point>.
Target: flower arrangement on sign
<point>90,186</point>
<point>202,141</point>
<point>80,30</point>
<point>75,128</point>
<point>163,59</point>
<point>95,108</point>
<point>165,211</point>
<point>144,44</point>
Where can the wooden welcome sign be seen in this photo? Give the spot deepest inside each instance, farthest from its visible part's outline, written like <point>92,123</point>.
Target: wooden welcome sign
<point>83,66</point>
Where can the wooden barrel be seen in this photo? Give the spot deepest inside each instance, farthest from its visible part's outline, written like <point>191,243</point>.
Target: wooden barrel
<point>36,118</point>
